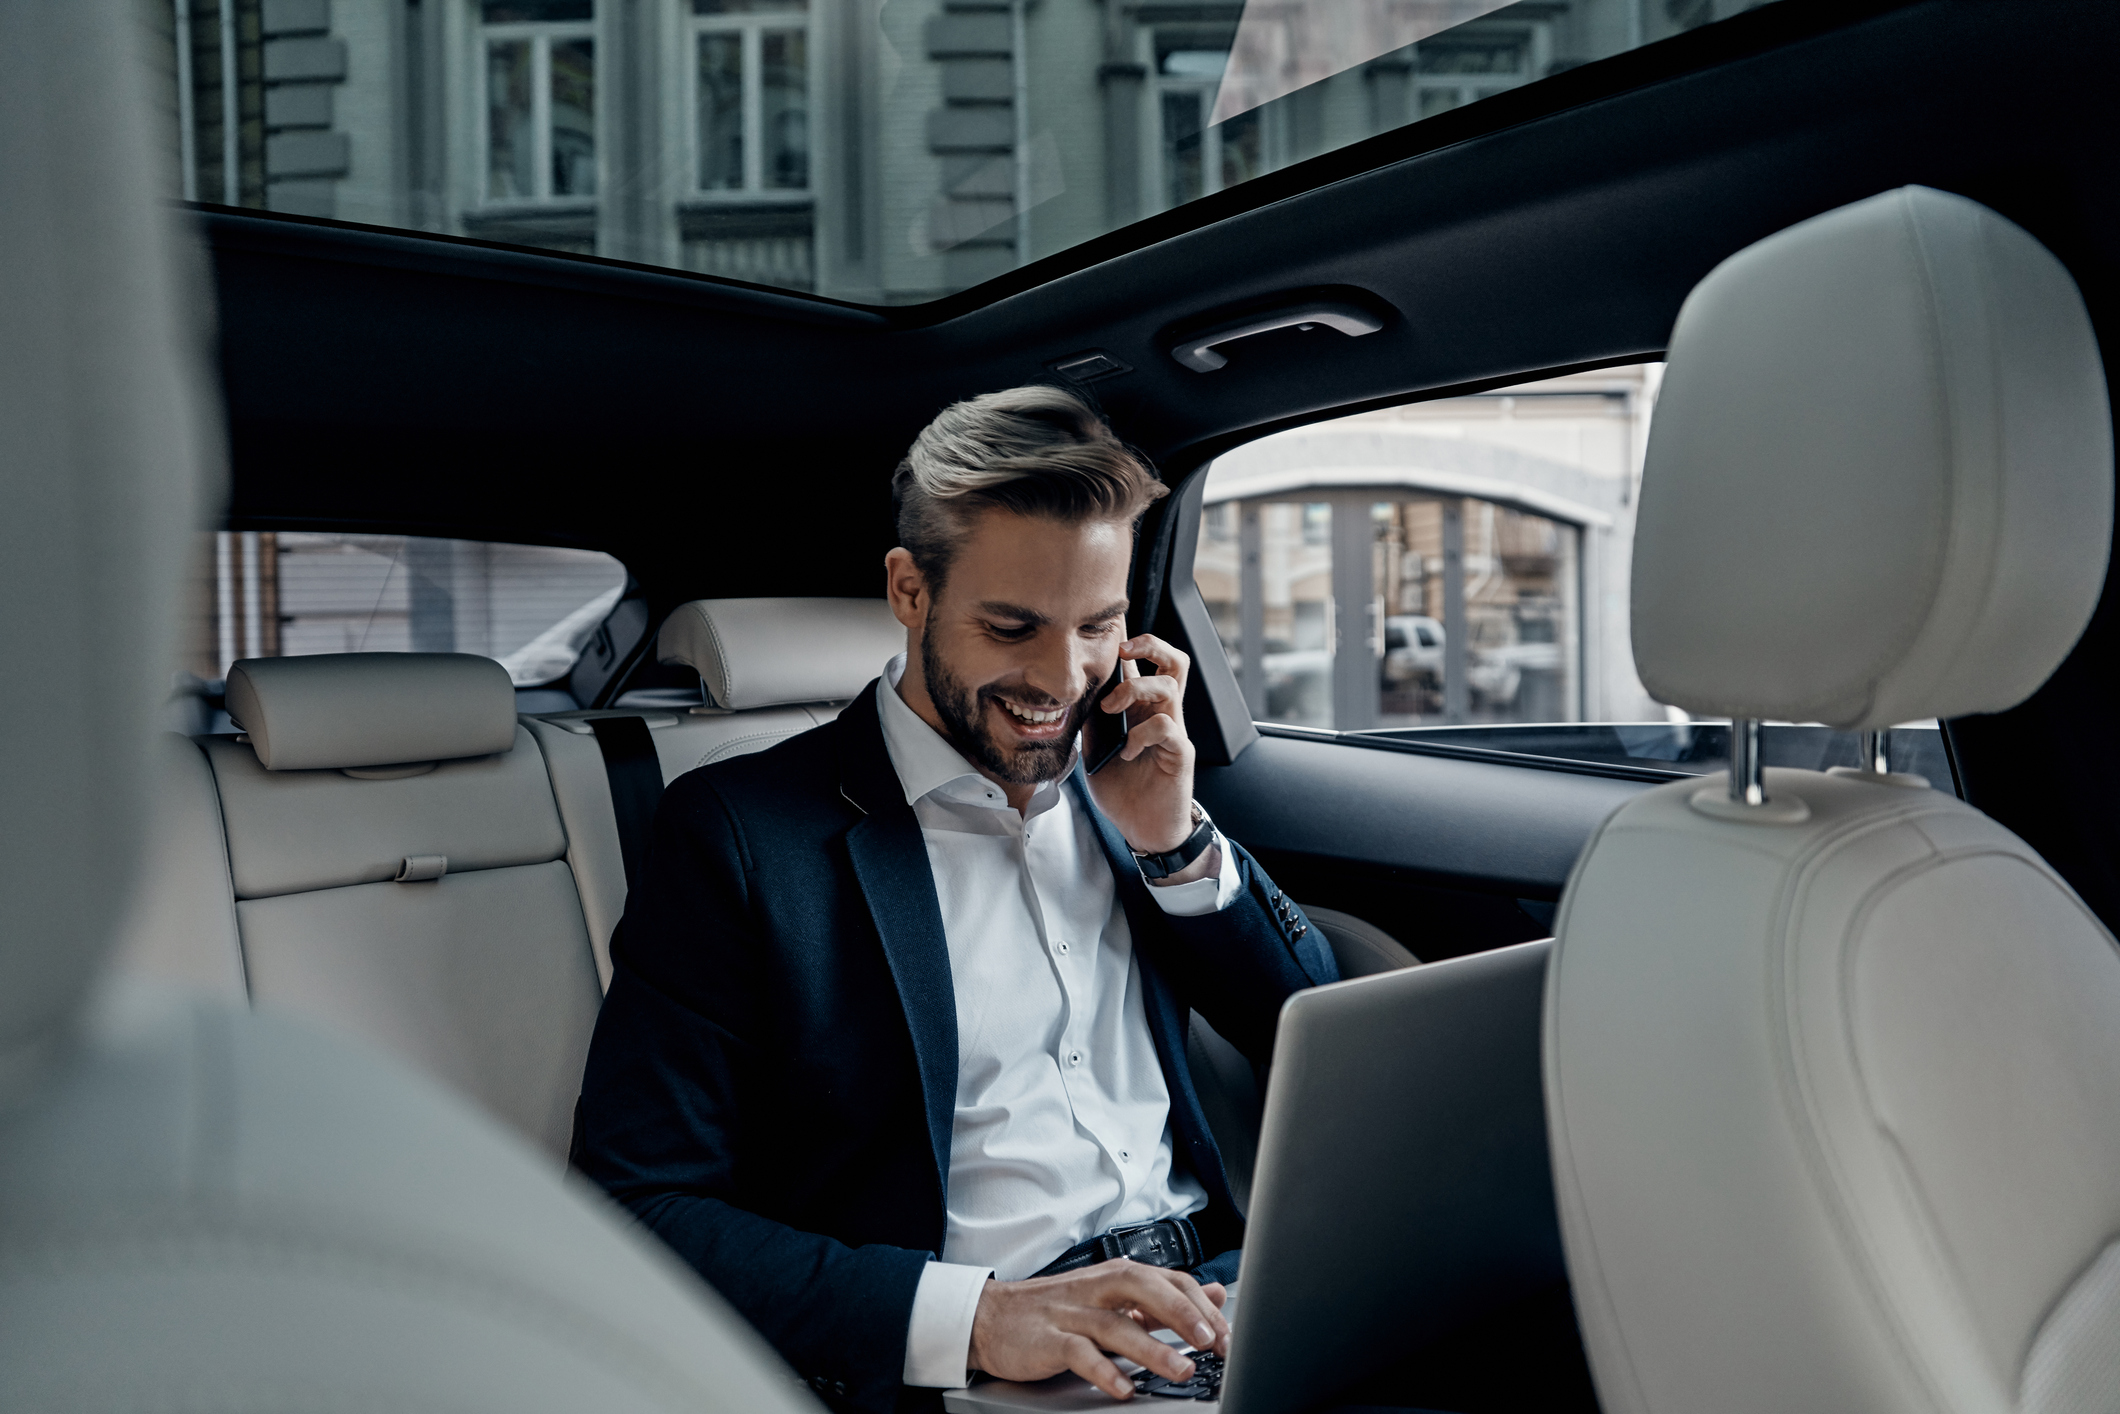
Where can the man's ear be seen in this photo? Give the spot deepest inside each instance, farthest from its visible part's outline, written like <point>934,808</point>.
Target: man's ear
<point>907,589</point>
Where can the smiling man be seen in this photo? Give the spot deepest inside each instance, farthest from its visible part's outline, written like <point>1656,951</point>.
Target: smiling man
<point>895,1048</point>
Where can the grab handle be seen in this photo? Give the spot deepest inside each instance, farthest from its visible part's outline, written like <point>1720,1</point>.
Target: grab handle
<point>1198,352</point>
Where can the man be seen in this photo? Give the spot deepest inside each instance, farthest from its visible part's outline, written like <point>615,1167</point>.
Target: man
<point>898,1011</point>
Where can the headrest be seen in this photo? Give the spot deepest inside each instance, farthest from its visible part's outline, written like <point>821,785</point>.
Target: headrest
<point>769,652</point>
<point>108,441</point>
<point>1879,484</point>
<point>341,710</point>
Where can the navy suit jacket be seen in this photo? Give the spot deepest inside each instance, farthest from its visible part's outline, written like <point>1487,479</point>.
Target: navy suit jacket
<point>773,1078</point>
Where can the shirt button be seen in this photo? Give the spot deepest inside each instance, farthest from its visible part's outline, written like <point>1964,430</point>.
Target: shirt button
<point>1063,947</point>
<point>1074,1057</point>
<point>1124,1154</point>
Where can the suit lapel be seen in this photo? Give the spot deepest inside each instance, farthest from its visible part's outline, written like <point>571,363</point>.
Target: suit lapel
<point>891,863</point>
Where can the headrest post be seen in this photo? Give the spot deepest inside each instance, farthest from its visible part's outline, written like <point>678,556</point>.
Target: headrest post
<point>1872,749</point>
<point>1748,782</point>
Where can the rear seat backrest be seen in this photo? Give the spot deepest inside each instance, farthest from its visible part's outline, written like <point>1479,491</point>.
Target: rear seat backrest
<point>278,855</point>
<point>766,662</point>
<point>181,926</point>
<point>364,769</point>
<point>771,668</point>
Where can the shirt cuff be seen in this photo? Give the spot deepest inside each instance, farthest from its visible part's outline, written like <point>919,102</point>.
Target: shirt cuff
<point>1209,895</point>
<point>938,1340</point>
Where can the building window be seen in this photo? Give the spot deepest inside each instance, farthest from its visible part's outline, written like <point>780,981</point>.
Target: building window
<point>1193,157</point>
<point>539,72</point>
<point>751,94</point>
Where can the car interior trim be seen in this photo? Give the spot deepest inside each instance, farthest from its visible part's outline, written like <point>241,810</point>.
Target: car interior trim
<point>1198,351</point>
<point>1652,775</point>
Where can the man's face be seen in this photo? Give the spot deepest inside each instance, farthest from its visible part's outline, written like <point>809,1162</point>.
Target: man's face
<point>1026,629</point>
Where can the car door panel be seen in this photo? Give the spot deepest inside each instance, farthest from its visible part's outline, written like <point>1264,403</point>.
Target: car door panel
<point>1448,856</point>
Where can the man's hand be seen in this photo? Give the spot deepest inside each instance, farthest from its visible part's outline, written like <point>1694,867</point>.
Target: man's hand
<point>1031,1330</point>
<point>1147,790</point>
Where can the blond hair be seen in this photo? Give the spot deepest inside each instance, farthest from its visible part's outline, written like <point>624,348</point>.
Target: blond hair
<point>1035,450</point>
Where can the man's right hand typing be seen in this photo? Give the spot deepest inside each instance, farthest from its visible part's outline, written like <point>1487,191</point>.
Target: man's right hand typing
<point>1032,1330</point>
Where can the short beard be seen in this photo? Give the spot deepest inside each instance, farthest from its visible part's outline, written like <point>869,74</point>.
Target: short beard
<point>963,714</point>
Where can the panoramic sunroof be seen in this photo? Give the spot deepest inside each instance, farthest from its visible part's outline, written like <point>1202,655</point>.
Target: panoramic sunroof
<point>880,153</point>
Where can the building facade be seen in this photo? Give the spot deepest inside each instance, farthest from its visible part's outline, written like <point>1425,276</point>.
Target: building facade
<point>881,151</point>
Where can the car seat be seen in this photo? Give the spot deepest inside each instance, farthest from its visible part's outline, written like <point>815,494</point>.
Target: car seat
<point>1831,1058</point>
<point>201,1208</point>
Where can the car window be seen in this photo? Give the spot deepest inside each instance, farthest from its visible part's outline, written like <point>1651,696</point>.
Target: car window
<point>531,608</point>
<point>1340,562</point>
<point>882,153</point>
<point>1444,563</point>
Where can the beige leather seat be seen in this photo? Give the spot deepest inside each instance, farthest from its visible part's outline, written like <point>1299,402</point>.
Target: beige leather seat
<point>201,1208</point>
<point>772,668</point>
<point>180,923</point>
<point>274,864</point>
<point>273,872</point>
<point>1832,1078</point>
<point>400,872</point>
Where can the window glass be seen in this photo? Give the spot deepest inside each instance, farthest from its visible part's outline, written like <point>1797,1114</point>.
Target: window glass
<point>1485,544</point>
<point>574,118</point>
<point>271,594</point>
<point>511,169</point>
<point>1449,562</point>
<point>784,127</point>
<point>884,153</point>
<point>721,145</point>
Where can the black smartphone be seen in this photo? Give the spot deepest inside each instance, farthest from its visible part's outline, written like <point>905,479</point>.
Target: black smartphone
<point>1105,732</point>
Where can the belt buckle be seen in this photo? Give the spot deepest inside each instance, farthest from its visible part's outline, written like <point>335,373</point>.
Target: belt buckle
<point>1166,1244</point>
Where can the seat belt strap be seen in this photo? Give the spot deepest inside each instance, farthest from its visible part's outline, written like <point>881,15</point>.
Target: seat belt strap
<point>635,773</point>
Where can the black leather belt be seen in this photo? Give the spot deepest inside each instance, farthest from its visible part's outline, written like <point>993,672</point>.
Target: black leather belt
<point>1169,1243</point>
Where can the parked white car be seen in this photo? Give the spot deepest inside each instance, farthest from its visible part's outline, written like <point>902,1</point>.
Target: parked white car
<point>1413,650</point>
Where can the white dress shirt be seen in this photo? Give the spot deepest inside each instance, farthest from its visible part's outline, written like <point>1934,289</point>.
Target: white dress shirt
<point>1062,1125</point>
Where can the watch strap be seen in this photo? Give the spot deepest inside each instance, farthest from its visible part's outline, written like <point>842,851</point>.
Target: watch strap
<point>1162,866</point>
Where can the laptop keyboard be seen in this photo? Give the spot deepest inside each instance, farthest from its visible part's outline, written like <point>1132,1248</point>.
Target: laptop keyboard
<point>1206,1381</point>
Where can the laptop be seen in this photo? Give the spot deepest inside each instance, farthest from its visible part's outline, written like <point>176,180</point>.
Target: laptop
<point>1403,1190</point>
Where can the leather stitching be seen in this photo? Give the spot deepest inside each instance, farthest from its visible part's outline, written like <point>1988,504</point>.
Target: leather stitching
<point>723,750</point>
<point>721,657</point>
<point>1821,1153</point>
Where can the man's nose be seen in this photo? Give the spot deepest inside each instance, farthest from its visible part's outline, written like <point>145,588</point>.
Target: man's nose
<point>1063,665</point>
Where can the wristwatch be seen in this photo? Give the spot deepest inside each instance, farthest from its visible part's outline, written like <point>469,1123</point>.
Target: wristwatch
<point>1162,866</point>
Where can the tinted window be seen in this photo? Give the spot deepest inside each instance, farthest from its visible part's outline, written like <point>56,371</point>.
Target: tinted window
<point>268,594</point>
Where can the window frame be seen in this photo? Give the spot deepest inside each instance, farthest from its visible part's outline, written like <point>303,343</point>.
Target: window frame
<point>1155,195</point>
<point>751,26</point>
<point>541,35</point>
